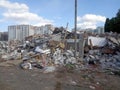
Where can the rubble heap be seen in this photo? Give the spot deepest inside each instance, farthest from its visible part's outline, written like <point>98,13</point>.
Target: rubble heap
<point>42,51</point>
<point>106,53</point>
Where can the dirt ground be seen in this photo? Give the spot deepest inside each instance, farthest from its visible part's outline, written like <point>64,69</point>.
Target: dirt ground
<point>15,78</point>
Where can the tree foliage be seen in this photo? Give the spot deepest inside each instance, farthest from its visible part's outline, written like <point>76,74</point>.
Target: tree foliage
<point>113,24</point>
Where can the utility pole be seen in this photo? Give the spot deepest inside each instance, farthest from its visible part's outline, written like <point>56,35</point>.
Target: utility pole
<point>75,28</point>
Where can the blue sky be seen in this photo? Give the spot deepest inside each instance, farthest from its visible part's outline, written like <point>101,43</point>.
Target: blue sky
<point>91,13</point>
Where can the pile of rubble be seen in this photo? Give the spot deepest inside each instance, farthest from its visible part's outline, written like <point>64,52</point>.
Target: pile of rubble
<point>103,51</point>
<point>38,52</point>
<point>50,51</point>
<point>3,48</point>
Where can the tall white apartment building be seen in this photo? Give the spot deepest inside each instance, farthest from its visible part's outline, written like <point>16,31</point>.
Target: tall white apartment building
<point>12,32</point>
<point>19,32</point>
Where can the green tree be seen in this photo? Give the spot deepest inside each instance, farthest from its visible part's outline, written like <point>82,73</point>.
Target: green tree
<point>118,21</point>
<point>113,24</point>
<point>106,27</point>
<point>118,14</point>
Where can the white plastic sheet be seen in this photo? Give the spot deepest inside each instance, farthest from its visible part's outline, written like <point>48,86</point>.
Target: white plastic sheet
<point>97,41</point>
<point>38,49</point>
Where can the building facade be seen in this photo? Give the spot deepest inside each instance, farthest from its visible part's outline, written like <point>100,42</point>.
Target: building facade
<point>19,32</point>
<point>48,29</point>
<point>38,30</point>
<point>3,36</point>
<point>99,30</point>
<point>43,30</point>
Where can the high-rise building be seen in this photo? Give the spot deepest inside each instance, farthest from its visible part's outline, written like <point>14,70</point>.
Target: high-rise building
<point>19,32</point>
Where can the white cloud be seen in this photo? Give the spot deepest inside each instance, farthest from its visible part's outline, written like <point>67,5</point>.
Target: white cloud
<point>15,7</point>
<point>19,13</point>
<point>90,21</point>
<point>86,25</point>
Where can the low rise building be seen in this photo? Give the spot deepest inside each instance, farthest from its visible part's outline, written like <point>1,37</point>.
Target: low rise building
<point>3,36</point>
<point>99,30</point>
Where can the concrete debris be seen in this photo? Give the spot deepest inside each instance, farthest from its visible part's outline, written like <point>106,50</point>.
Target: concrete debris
<point>92,87</point>
<point>119,41</point>
<point>48,51</point>
<point>64,58</point>
<point>49,69</point>
<point>108,51</point>
<point>107,56</point>
<point>26,65</point>
<point>114,40</point>
<point>4,57</point>
<point>39,50</point>
<point>58,57</point>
